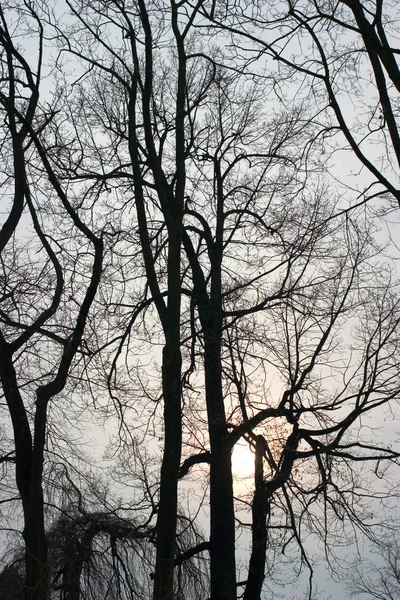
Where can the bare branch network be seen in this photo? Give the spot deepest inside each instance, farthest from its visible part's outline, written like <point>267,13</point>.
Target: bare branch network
<point>199,318</point>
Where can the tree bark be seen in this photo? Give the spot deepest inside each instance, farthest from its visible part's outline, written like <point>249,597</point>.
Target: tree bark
<point>29,482</point>
<point>167,513</point>
<point>222,525</point>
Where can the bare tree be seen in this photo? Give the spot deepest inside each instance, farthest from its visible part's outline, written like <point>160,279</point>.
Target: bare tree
<point>156,176</point>
<point>44,310</point>
<point>280,313</point>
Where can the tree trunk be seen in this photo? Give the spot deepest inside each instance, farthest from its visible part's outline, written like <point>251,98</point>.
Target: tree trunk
<point>29,470</point>
<point>222,527</point>
<point>167,512</point>
<point>36,586</point>
<point>260,511</point>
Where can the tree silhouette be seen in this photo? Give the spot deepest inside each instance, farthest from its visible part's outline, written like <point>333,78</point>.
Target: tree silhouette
<point>203,286</point>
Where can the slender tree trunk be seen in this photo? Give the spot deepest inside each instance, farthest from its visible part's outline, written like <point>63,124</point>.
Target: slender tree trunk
<point>172,359</point>
<point>73,572</point>
<point>260,511</point>
<point>77,554</point>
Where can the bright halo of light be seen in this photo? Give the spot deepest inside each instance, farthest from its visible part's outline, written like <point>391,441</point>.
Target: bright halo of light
<point>242,461</point>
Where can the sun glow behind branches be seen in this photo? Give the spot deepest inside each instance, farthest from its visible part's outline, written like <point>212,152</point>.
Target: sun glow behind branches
<point>243,462</point>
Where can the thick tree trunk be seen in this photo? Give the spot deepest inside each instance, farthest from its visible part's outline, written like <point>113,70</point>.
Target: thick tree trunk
<point>222,531</point>
<point>222,527</point>
<point>28,473</point>
<point>167,517</point>
<point>36,586</point>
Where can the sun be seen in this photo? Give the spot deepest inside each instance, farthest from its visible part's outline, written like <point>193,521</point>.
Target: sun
<point>242,461</point>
